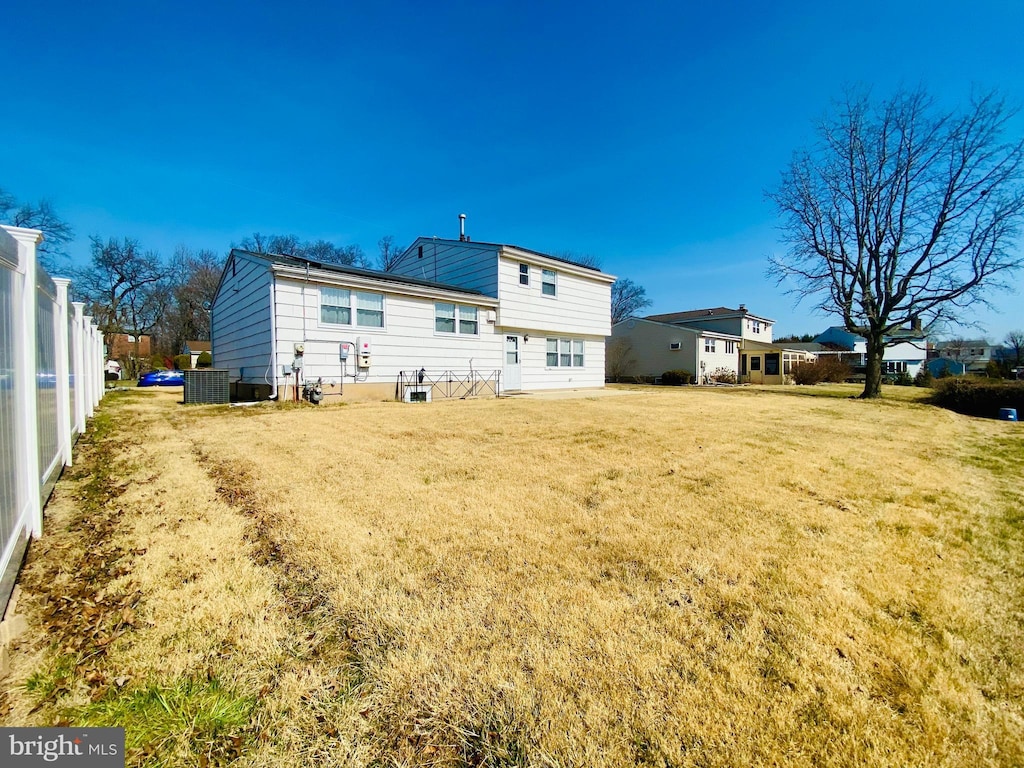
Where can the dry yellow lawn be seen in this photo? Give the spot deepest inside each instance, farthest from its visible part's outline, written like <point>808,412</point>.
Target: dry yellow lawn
<point>670,578</point>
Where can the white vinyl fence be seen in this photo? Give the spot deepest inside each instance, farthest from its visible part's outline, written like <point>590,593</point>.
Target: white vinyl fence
<point>51,379</point>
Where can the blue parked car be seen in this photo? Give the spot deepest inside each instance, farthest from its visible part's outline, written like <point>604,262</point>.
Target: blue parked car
<point>162,379</point>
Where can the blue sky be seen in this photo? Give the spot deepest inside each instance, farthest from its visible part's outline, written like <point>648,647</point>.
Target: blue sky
<point>643,133</point>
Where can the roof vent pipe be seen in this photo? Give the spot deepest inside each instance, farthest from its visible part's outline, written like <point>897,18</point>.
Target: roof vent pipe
<point>462,227</point>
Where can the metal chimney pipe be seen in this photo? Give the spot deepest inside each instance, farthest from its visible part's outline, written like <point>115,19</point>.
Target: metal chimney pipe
<point>462,226</point>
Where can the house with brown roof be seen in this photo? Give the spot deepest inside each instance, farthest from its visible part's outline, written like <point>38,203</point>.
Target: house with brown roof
<point>195,349</point>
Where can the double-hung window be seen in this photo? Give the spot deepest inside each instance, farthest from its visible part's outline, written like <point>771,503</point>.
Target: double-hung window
<point>449,318</point>
<point>370,309</point>
<point>548,282</point>
<point>709,345</point>
<point>524,274</point>
<point>467,320</point>
<point>565,353</point>
<point>444,318</point>
<point>336,306</point>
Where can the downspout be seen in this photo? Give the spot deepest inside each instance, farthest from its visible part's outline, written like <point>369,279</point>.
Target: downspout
<point>273,336</point>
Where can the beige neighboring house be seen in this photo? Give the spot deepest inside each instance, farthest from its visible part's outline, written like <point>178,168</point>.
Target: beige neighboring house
<point>709,339</point>
<point>195,349</point>
<point>643,348</point>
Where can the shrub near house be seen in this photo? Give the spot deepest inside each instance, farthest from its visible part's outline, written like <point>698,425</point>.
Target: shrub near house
<point>825,368</point>
<point>978,397</point>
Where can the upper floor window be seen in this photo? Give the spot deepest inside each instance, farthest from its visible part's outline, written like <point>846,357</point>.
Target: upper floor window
<point>755,326</point>
<point>524,274</point>
<point>709,345</point>
<point>548,282</point>
<point>730,347</point>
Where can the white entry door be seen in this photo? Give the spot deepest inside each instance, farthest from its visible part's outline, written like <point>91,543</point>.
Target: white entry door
<point>512,374</point>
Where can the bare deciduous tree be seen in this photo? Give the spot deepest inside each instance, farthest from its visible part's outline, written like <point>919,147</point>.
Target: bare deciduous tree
<point>1014,343</point>
<point>57,233</point>
<point>583,259</point>
<point>323,251</point>
<point>389,253</point>
<point>194,277</point>
<point>628,298</point>
<point>901,211</point>
<point>127,290</point>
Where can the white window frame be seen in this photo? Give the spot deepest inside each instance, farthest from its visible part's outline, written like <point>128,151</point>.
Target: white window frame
<point>358,309</point>
<point>353,307</point>
<point>730,347</point>
<point>524,271</point>
<point>553,282</point>
<point>466,321</point>
<point>567,352</point>
<point>460,319</point>
<point>709,344</point>
<point>438,317</point>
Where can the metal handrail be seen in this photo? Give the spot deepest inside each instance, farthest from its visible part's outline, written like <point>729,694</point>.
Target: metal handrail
<point>450,383</point>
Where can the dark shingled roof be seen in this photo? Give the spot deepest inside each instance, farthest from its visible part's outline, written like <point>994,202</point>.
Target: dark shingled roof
<point>696,314</point>
<point>345,269</point>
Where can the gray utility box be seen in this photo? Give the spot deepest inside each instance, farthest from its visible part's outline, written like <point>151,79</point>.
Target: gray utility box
<point>206,385</point>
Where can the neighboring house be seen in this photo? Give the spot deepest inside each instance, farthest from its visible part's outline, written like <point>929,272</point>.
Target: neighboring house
<point>122,346</point>
<point>639,348</point>
<point>906,354</point>
<point>735,322</point>
<point>721,332</point>
<point>195,349</point>
<point>552,316</point>
<point>370,333</point>
<point>975,354</point>
<point>943,366</point>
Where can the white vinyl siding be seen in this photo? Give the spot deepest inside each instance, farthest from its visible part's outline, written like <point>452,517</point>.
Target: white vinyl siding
<point>582,307</point>
<point>407,342</point>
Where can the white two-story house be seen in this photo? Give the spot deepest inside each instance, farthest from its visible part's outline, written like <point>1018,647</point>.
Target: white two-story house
<point>905,353</point>
<point>552,315</point>
<point>451,318</point>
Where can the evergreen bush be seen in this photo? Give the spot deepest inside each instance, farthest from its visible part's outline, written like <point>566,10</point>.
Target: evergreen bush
<point>677,377</point>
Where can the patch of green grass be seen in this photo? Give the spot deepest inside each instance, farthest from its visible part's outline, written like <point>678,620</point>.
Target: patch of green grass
<point>54,679</point>
<point>187,722</point>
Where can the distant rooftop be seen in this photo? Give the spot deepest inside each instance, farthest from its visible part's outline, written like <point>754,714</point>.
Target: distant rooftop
<point>346,269</point>
<point>703,314</point>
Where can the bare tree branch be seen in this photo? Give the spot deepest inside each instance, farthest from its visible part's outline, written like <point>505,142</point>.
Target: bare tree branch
<point>901,213</point>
